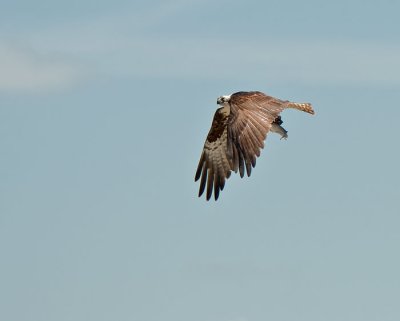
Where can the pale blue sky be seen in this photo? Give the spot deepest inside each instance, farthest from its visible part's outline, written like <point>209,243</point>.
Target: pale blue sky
<point>104,108</point>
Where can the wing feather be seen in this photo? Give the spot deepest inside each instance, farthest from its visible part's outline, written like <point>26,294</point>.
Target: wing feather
<point>210,182</point>
<point>241,162</point>
<point>203,178</point>
<point>257,136</point>
<point>200,166</point>
<point>253,141</point>
<point>217,186</point>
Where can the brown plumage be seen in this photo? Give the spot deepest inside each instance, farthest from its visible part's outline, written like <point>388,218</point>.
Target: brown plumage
<point>237,136</point>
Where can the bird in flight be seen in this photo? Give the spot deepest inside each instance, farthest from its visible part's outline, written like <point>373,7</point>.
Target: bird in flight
<point>237,136</point>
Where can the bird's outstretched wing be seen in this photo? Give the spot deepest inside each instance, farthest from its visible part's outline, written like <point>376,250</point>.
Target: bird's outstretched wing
<point>251,118</point>
<point>215,165</point>
<point>236,138</point>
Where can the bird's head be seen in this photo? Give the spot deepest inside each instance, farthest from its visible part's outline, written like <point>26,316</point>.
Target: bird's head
<point>223,99</point>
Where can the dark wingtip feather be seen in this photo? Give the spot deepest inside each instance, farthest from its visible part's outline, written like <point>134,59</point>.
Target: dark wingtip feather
<point>222,184</point>
<point>241,163</point>
<point>248,169</point>
<point>203,180</point>
<point>241,171</point>
<point>216,190</point>
<point>210,183</point>
<point>199,167</point>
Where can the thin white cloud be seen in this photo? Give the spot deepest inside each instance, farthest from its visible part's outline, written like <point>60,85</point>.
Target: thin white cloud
<point>309,62</point>
<point>123,45</point>
<point>34,65</point>
<point>23,70</point>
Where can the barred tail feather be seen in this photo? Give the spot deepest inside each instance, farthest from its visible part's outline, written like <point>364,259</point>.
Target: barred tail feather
<point>306,107</point>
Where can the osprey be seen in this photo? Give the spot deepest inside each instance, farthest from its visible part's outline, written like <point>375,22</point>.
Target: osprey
<point>237,136</point>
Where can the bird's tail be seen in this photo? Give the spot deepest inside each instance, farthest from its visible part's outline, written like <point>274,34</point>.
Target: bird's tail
<point>302,106</point>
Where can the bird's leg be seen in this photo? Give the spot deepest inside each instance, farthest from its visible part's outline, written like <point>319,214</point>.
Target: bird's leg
<point>277,128</point>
